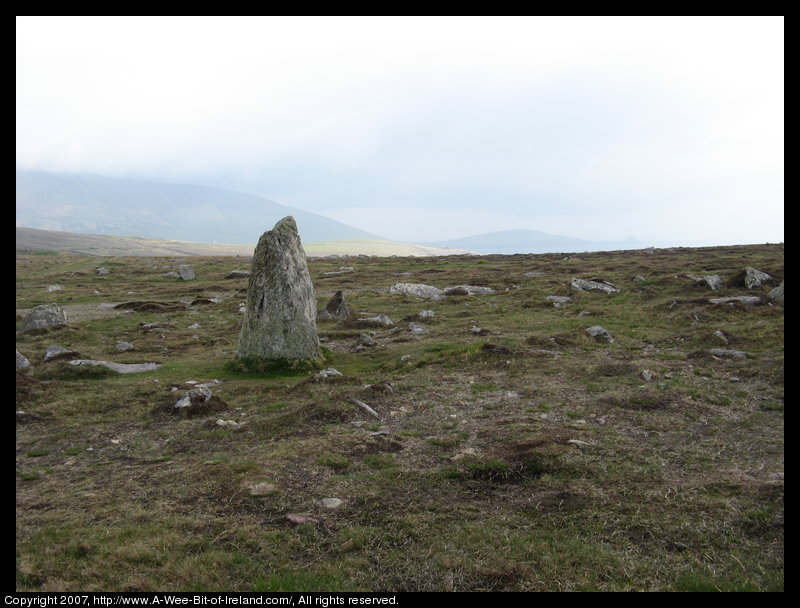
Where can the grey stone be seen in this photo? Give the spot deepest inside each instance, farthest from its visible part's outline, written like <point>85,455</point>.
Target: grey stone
<point>558,301</point>
<point>193,398</point>
<point>776,295</point>
<point>600,333</point>
<point>427,292</point>
<point>328,372</point>
<point>416,329</point>
<point>426,314</point>
<point>120,368</point>
<point>335,310</point>
<point>280,316</point>
<point>22,362</point>
<point>727,353</point>
<point>237,274</point>
<point>330,503</point>
<point>592,285</point>
<point>377,321</point>
<point>638,278</point>
<point>101,270</point>
<point>52,288</point>
<point>720,337</point>
<point>532,275</point>
<point>467,290</point>
<point>46,316</point>
<point>710,281</point>
<point>54,352</point>
<point>366,340</point>
<point>186,272</point>
<point>170,275</point>
<point>743,300</point>
<point>750,277</point>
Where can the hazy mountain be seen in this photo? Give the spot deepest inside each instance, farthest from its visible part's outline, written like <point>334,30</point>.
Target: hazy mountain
<point>92,204</point>
<point>529,241</point>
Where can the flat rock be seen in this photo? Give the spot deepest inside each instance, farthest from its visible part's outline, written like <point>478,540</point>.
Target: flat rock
<point>120,368</point>
<point>297,519</point>
<point>123,346</point>
<point>419,290</point>
<point>467,290</point>
<point>330,503</point>
<point>377,321</point>
<point>56,352</point>
<point>743,300</point>
<point>592,285</point>
<point>101,270</point>
<point>328,372</point>
<point>727,353</point>
<point>46,316</point>
<point>558,301</point>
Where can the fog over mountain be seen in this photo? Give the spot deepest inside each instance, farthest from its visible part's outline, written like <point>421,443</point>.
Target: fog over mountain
<point>92,204</point>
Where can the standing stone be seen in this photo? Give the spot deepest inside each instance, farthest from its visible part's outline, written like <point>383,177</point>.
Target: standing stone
<point>279,321</point>
<point>335,310</point>
<point>186,272</point>
<point>44,317</point>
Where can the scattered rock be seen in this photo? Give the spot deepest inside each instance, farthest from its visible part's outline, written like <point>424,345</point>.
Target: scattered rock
<point>27,416</point>
<point>52,288</point>
<point>647,375</point>
<point>230,424</point>
<point>120,368</point>
<point>101,270</point>
<point>366,340</point>
<point>57,352</point>
<point>720,337</point>
<point>426,314</point>
<point>280,318</point>
<point>193,400</point>
<point>478,331</point>
<point>335,310</point>
<point>377,321</point>
<point>43,318</point>
<point>593,285</point>
<point>638,278</point>
<point>330,503</point>
<point>238,274</point>
<point>600,333</point>
<point>22,362</point>
<point>297,519</point>
<point>750,277</point>
<point>532,275</point>
<point>328,372</point>
<point>123,346</point>
<point>710,281</point>
<point>186,272</point>
<point>776,295</point>
<point>417,329</point>
<point>418,290</point>
<point>467,290</point>
<point>743,300</point>
<point>170,275</point>
<point>262,489</point>
<point>558,301</point>
<point>727,353</point>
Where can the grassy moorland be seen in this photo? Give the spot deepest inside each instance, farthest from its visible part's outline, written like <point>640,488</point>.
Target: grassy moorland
<point>525,455</point>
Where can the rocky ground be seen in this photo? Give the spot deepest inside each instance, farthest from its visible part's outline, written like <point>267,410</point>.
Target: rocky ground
<point>599,421</point>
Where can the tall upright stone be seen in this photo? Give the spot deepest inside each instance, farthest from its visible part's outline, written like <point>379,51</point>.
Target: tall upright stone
<point>279,324</point>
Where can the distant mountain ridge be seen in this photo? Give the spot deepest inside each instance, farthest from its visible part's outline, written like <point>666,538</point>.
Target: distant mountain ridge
<point>529,241</point>
<point>92,204</point>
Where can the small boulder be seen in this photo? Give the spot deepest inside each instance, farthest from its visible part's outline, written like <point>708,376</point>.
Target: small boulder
<point>123,346</point>
<point>600,334</point>
<point>328,372</point>
<point>57,352</point>
<point>101,270</point>
<point>710,281</point>
<point>44,317</point>
<point>727,353</point>
<point>750,277</point>
<point>186,272</point>
<point>335,310</point>
<point>733,300</point>
<point>22,362</point>
<point>592,285</point>
<point>467,290</point>
<point>376,321</point>
<point>776,295</point>
<point>419,290</point>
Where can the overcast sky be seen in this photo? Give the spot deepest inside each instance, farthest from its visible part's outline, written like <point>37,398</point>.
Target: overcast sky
<point>421,129</point>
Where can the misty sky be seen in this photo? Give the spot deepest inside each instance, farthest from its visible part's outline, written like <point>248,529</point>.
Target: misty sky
<point>422,129</point>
